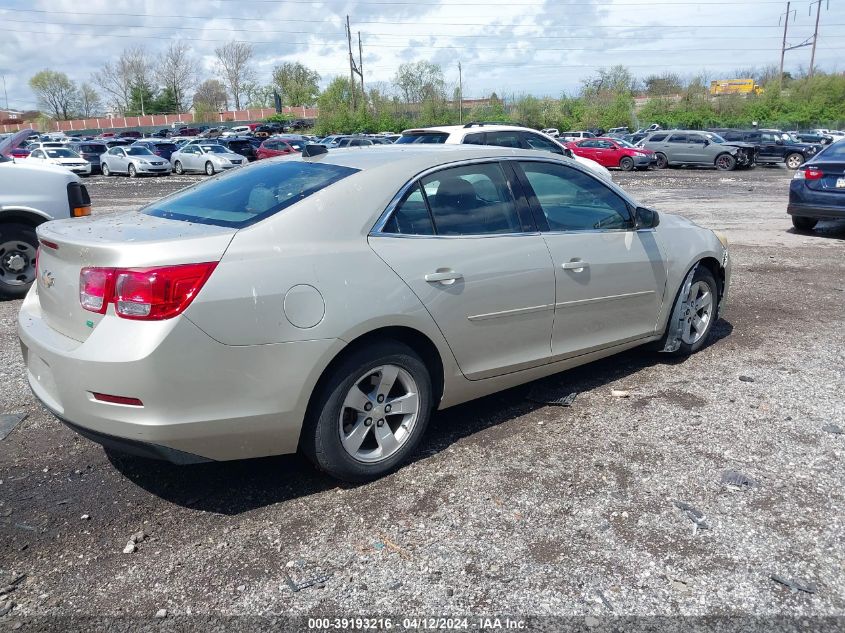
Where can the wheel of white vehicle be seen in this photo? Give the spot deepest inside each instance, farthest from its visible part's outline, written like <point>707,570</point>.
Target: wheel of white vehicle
<point>369,412</point>
<point>18,245</point>
<point>105,169</point>
<point>209,169</point>
<point>698,312</point>
<point>177,166</point>
<point>804,224</point>
<point>725,162</point>
<point>131,171</point>
<point>626,164</point>
<point>794,160</point>
<point>661,162</point>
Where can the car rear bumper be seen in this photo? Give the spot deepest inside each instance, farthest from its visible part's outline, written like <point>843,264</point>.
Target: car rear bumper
<point>202,400</point>
<point>816,211</point>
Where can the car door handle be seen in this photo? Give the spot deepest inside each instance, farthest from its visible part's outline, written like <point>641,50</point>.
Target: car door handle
<point>443,276</point>
<point>579,265</point>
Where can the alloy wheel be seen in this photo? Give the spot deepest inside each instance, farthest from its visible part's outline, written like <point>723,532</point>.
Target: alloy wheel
<point>698,312</point>
<point>379,413</point>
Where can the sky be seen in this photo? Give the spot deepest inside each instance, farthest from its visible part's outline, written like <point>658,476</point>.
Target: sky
<point>540,47</point>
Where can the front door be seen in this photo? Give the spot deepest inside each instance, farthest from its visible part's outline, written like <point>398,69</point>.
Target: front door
<point>460,244</point>
<point>609,278</point>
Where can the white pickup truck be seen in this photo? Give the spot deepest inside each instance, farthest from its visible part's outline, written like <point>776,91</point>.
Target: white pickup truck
<point>31,194</point>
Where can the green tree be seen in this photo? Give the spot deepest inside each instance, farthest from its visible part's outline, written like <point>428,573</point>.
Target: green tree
<point>56,93</point>
<point>297,84</point>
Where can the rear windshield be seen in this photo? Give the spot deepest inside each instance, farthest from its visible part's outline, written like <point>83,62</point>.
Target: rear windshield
<point>93,149</point>
<point>166,147</point>
<point>245,197</point>
<point>425,137</point>
<point>834,152</point>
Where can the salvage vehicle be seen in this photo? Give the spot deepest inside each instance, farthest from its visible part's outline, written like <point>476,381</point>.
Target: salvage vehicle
<point>817,190</point>
<point>613,152</point>
<point>31,193</point>
<point>773,146</point>
<point>329,301</point>
<point>692,147</point>
<point>475,133</point>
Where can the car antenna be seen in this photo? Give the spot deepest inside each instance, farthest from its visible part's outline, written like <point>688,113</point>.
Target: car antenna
<point>311,150</point>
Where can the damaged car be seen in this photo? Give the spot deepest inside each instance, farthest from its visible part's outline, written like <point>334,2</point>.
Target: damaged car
<point>329,302</point>
<point>696,148</point>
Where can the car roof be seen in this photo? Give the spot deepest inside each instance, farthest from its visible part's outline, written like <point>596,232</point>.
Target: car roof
<point>451,129</point>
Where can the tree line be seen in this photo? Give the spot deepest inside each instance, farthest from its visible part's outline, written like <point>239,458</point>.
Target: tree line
<point>419,95</point>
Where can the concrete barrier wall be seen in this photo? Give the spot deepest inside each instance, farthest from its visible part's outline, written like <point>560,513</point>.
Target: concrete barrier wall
<point>162,120</point>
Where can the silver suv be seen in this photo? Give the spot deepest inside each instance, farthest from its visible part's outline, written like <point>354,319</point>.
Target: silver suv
<point>691,147</point>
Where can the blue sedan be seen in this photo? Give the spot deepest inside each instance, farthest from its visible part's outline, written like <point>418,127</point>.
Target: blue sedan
<point>817,191</point>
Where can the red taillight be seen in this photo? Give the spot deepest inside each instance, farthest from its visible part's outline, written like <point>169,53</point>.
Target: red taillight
<point>150,294</point>
<point>812,173</point>
<point>104,397</point>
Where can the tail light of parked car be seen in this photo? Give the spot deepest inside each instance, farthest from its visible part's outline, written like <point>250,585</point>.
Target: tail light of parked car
<point>147,294</point>
<point>808,173</point>
<point>78,200</point>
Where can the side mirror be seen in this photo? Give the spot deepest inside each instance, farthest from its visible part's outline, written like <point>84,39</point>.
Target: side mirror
<point>706,142</point>
<point>779,141</point>
<point>567,152</point>
<point>645,218</point>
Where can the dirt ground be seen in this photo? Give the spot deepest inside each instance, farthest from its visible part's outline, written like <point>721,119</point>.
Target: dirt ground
<point>510,507</point>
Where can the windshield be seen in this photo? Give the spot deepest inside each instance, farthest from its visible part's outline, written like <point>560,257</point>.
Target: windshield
<point>625,143</point>
<point>425,137</point>
<point>139,151</point>
<point>214,149</point>
<point>714,137</point>
<point>245,197</point>
<point>59,153</point>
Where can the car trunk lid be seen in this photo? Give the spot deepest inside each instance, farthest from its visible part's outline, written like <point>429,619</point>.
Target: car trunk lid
<point>133,240</point>
<point>832,176</point>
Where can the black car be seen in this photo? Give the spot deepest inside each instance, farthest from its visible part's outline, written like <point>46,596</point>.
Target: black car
<point>239,145</point>
<point>773,146</point>
<point>160,148</point>
<point>817,191</point>
<point>813,137</point>
<point>90,151</point>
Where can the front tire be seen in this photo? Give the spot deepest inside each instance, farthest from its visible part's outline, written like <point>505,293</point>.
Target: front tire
<point>794,160</point>
<point>209,169</point>
<point>804,224</point>
<point>661,162</point>
<point>699,312</point>
<point>725,162</point>
<point>18,244</point>
<point>370,412</point>
<point>626,163</point>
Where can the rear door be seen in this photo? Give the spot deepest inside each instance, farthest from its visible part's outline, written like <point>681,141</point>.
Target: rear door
<point>609,277</point>
<point>462,242</point>
<point>676,148</point>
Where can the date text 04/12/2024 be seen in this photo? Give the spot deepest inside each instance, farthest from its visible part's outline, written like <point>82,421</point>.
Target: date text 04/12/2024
<point>419,623</point>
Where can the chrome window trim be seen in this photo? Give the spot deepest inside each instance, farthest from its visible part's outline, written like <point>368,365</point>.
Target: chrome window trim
<point>555,159</point>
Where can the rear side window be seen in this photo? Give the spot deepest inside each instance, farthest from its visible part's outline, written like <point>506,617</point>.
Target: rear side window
<point>678,138</point>
<point>411,216</point>
<point>425,137</point>
<point>471,200</point>
<point>242,198</point>
<point>474,139</point>
<point>504,139</point>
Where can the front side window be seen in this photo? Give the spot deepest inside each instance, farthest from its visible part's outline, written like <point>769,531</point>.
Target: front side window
<point>573,201</point>
<point>242,198</point>
<point>537,142</point>
<point>116,151</point>
<point>471,200</point>
<point>695,139</point>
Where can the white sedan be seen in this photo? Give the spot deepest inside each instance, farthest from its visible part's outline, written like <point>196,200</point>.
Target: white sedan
<point>329,302</point>
<point>133,161</point>
<point>205,157</point>
<point>63,158</point>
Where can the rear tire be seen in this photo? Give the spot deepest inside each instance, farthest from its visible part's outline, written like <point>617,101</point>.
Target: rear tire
<point>725,162</point>
<point>694,333</point>
<point>661,162</point>
<point>209,169</point>
<point>178,167</point>
<point>794,160</point>
<point>386,439</point>
<point>804,224</point>
<point>626,163</point>
<point>131,171</point>
<point>18,245</point>
<point>105,170</point>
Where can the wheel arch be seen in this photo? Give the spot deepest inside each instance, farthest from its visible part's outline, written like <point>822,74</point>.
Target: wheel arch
<point>413,338</point>
<point>28,217</point>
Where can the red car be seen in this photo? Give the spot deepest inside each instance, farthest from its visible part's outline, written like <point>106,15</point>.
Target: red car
<point>613,152</point>
<point>274,147</point>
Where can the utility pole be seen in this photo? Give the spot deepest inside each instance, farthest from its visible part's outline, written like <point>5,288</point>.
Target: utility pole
<point>818,4</point>
<point>361,67</point>
<point>351,64</point>
<point>460,95</point>
<point>783,46</point>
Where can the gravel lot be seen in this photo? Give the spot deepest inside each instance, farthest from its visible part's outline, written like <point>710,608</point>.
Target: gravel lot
<point>510,507</point>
